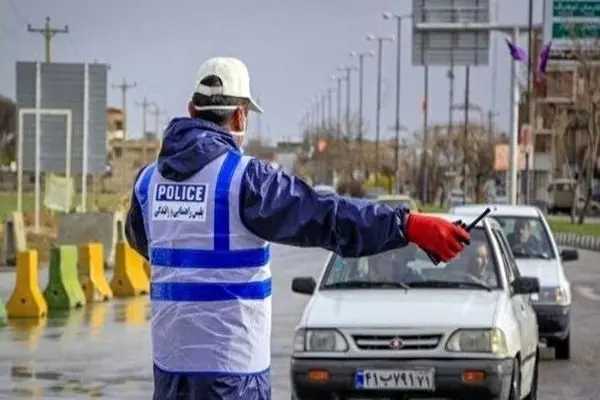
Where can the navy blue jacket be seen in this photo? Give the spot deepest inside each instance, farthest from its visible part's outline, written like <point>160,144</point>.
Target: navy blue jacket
<point>274,205</point>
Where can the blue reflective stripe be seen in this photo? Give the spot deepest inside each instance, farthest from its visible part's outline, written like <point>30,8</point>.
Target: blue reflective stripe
<point>192,291</point>
<point>141,192</point>
<point>221,230</point>
<point>188,258</point>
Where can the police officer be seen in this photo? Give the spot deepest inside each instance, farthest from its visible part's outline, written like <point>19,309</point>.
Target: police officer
<point>204,214</point>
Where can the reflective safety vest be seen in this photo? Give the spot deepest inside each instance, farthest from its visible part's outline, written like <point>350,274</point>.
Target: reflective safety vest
<point>211,278</point>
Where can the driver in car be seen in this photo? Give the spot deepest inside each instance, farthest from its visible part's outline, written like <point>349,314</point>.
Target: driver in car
<point>522,240</point>
<point>481,268</point>
<point>392,266</point>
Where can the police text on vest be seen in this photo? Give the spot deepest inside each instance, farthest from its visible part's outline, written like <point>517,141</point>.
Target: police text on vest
<point>179,202</point>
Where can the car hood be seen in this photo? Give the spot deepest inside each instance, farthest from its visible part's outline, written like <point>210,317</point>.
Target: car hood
<point>547,271</point>
<point>414,308</point>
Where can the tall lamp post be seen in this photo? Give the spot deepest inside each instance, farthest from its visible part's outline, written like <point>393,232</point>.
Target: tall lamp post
<point>399,19</point>
<point>361,72</point>
<point>348,70</point>
<point>380,40</point>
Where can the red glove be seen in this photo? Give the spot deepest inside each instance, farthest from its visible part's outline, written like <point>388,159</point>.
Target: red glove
<point>441,238</point>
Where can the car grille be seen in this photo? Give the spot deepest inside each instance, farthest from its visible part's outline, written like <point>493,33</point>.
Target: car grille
<point>386,342</point>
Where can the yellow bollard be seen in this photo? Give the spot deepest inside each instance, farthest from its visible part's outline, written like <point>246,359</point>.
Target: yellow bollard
<point>27,301</point>
<point>94,284</point>
<point>148,269</point>
<point>129,278</point>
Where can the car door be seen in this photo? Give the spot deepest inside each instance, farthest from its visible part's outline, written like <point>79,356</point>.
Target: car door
<point>523,312</point>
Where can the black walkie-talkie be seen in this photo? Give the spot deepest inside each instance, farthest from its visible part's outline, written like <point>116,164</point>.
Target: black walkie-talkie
<point>468,228</point>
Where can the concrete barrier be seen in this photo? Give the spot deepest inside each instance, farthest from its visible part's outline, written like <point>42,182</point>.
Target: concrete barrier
<point>91,271</point>
<point>82,228</point>
<point>15,239</point>
<point>129,278</point>
<point>63,291</point>
<point>586,242</point>
<point>26,300</point>
<point>148,270</point>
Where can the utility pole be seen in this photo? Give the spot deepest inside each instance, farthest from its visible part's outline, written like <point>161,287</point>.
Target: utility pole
<point>380,40</point>
<point>338,123</point>
<point>425,155</point>
<point>145,105</point>
<point>156,112</point>
<point>451,77</point>
<point>124,87</point>
<point>361,117</point>
<point>530,101</point>
<point>466,127</point>
<point>48,33</point>
<point>399,18</point>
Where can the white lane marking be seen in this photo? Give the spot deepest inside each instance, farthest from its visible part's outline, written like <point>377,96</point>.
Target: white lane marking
<point>588,292</point>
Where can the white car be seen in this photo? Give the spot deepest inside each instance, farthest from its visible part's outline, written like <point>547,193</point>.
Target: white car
<point>326,189</point>
<point>396,326</point>
<point>535,250</point>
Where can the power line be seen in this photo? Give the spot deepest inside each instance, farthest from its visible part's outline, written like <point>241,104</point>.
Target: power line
<point>48,33</point>
<point>124,87</point>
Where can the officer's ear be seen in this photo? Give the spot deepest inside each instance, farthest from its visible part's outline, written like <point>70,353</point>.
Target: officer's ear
<point>239,119</point>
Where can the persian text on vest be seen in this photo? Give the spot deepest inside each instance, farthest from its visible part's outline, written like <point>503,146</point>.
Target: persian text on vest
<point>179,202</point>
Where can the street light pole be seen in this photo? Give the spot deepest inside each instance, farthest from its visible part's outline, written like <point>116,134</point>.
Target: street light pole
<point>348,70</point>
<point>361,84</point>
<point>380,40</point>
<point>399,19</point>
<point>338,122</point>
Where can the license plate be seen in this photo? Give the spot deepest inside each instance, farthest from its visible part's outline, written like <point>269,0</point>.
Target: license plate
<point>393,379</point>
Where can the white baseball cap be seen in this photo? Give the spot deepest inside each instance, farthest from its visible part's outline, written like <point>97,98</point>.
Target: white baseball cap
<point>235,77</point>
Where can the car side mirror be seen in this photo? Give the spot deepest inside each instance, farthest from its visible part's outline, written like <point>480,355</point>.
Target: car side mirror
<point>526,285</point>
<point>304,285</point>
<point>569,255</point>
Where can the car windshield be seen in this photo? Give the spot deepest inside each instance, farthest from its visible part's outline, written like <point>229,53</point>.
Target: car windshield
<point>527,236</point>
<point>395,203</point>
<point>409,268</point>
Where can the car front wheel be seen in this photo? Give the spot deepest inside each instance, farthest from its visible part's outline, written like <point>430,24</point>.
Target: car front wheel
<point>562,348</point>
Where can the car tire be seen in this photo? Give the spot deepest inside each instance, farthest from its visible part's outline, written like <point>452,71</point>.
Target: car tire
<point>514,392</point>
<point>562,348</point>
<point>533,392</point>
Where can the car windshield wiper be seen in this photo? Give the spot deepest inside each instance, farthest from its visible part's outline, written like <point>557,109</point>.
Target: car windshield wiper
<point>449,284</point>
<point>366,285</point>
<point>523,254</point>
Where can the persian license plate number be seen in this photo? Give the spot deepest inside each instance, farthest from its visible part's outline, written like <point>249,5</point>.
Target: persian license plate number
<point>391,379</point>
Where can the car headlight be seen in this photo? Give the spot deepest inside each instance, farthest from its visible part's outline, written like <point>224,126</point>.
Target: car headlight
<point>478,341</point>
<point>551,295</point>
<point>319,340</point>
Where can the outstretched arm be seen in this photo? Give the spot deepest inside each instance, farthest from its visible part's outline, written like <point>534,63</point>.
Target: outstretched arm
<point>284,209</point>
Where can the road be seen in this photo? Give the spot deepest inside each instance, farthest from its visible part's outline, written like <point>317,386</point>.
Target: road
<point>103,350</point>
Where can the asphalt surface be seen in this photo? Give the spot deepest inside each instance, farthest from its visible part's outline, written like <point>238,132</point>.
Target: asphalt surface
<point>103,350</point>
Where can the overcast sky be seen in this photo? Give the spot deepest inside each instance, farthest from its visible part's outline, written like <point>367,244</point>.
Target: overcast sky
<point>291,48</point>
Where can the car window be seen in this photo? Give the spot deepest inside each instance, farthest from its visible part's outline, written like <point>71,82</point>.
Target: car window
<point>475,267</point>
<point>513,270</point>
<point>397,203</point>
<point>505,255</point>
<point>527,237</point>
